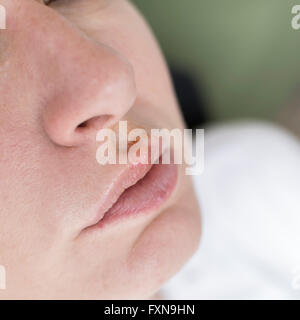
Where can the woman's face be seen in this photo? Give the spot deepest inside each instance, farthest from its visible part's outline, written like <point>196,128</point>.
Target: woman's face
<point>68,70</point>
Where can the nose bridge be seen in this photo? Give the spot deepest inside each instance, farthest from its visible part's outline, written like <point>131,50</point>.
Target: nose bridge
<point>92,85</point>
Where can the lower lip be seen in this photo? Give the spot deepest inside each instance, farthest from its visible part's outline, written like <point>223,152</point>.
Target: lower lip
<point>147,195</point>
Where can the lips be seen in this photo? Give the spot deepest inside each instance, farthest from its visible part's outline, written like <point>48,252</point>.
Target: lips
<point>139,189</point>
<point>146,195</point>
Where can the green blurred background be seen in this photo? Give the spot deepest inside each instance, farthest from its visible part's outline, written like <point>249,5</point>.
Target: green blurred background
<point>243,54</point>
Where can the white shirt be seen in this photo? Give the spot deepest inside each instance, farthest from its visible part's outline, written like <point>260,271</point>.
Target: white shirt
<point>249,196</point>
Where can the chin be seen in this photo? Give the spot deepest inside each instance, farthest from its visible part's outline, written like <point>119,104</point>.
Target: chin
<point>164,247</point>
<point>151,253</point>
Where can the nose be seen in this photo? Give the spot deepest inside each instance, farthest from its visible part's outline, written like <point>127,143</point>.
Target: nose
<point>91,86</point>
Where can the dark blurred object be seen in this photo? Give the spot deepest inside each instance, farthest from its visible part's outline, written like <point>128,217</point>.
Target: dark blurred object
<point>192,101</point>
<point>289,116</point>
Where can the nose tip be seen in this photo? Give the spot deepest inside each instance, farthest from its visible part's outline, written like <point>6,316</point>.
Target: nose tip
<point>91,91</point>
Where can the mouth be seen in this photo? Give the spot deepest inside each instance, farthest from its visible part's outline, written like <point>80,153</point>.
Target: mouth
<point>141,189</point>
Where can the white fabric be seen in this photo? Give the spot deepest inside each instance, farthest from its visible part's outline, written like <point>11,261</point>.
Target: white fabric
<point>250,200</point>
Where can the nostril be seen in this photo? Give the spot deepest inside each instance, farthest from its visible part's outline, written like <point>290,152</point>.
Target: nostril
<point>82,125</point>
<point>95,123</point>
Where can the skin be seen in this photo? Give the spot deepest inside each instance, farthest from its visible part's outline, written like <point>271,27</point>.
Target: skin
<point>90,62</point>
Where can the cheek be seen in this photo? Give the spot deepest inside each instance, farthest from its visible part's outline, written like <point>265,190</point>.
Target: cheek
<point>24,238</point>
<point>26,184</point>
<point>19,185</point>
<point>17,163</point>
